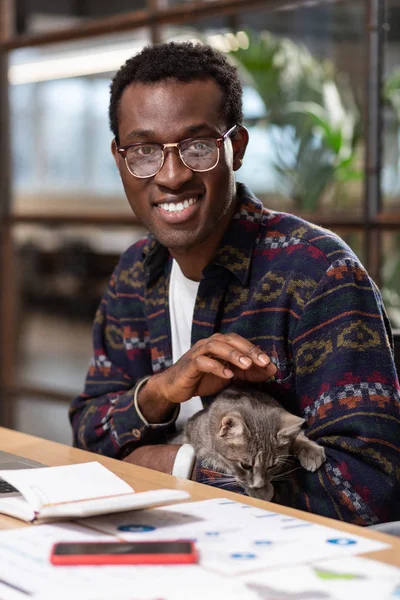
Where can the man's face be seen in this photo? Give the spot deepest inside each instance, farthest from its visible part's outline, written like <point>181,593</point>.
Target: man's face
<point>167,112</point>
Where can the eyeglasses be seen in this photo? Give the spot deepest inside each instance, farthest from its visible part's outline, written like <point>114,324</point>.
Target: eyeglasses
<point>198,154</point>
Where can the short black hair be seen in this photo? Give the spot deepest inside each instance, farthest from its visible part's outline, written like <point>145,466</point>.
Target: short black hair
<point>184,62</point>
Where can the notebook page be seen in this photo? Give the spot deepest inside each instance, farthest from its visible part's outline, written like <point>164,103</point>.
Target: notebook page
<point>69,483</point>
<point>112,504</point>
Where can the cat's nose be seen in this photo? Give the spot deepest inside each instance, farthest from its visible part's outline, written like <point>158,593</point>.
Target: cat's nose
<point>258,481</point>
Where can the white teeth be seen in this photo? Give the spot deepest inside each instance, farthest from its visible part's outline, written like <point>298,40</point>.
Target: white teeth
<point>172,207</point>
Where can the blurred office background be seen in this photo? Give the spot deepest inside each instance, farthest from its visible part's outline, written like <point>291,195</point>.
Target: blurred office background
<point>322,104</point>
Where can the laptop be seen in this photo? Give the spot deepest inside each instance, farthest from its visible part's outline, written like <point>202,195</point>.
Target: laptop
<point>10,461</point>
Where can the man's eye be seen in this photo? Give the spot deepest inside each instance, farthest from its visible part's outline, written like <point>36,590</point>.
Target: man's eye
<point>201,146</point>
<point>145,150</point>
<point>246,466</point>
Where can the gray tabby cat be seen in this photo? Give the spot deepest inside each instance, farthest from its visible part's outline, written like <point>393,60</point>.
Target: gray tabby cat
<point>249,435</point>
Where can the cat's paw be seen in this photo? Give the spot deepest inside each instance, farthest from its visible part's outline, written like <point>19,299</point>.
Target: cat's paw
<point>312,457</point>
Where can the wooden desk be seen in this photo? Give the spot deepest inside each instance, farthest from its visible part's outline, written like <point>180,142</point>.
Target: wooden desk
<point>52,454</point>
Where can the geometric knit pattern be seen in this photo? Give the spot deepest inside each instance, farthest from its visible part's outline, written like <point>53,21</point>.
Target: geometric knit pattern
<point>297,291</point>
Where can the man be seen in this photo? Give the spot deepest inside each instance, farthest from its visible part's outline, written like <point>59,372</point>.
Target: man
<point>224,289</point>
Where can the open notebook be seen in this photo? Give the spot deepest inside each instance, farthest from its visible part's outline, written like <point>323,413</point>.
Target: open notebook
<point>76,491</point>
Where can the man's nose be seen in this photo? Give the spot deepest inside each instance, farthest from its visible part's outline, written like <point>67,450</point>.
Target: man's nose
<point>173,174</point>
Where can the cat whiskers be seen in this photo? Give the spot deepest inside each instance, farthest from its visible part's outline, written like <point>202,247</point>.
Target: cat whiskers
<point>284,462</point>
<point>229,483</point>
<point>283,475</point>
<point>220,481</point>
<point>286,457</point>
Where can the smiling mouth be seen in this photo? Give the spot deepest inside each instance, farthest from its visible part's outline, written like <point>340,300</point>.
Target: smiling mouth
<point>177,207</point>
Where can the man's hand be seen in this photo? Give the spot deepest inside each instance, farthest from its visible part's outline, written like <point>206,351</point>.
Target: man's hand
<point>206,369</point>
<point>160,457</point>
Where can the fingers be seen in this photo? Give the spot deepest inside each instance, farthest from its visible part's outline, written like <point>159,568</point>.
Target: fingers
<point>256,374</point>
<point>219,349</point>
<point>210,364</point>
<point>237,351</point>
<point>254,353</point>
<point>205,364</point>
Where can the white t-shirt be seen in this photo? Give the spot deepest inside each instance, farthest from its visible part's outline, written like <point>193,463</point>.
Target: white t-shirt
<point>182,298</point>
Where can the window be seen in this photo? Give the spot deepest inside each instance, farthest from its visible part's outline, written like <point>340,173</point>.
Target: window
<point>313,111</point>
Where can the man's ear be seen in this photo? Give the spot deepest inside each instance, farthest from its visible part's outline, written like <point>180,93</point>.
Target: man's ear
<point>239,144</point>
<point>115,153</point>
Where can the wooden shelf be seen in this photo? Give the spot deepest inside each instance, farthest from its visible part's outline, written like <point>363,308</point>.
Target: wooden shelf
<point>181,14</point>
<point>35,391</point>
<point>103,219</point>
<point>389,221</point>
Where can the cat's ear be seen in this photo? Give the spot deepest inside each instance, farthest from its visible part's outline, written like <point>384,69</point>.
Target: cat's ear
<point>290,427</point>
<point>232,428</point>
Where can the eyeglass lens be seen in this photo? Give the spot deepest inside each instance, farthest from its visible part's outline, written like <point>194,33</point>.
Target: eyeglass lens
<point>145,160</point>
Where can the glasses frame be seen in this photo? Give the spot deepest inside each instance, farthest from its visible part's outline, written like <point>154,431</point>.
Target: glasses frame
<point>123,151</point>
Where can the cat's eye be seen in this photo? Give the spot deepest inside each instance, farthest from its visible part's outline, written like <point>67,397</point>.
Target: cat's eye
<point>246,466</point>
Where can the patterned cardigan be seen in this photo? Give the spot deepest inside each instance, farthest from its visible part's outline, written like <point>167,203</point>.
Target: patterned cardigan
<point>300,293</point>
